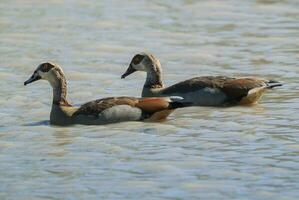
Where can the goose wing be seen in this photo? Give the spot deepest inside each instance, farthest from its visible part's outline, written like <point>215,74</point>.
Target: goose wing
<point>234,88</point>
<point>239,88</point>
<point>147,105</point>
<point>99,105</point>
<point>197,83</point>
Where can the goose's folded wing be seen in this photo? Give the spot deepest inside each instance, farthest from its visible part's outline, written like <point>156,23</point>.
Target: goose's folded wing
<point>97,106</point>
<point>197,83</point>
<point>157,109</point>
<point>240,87</point>
<point>152,104</point>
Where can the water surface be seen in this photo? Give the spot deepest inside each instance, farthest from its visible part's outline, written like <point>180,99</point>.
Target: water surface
<point>199,153</point>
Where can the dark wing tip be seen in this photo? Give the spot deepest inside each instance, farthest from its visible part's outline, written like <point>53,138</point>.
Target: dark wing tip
<point>174,105</point>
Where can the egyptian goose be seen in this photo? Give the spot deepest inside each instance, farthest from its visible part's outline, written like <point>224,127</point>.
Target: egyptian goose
<point>101,111</point>
<point>200,91</point>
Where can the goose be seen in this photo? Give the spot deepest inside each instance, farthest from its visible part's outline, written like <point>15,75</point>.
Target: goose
<point>101,111</point>
<point>199,91</point>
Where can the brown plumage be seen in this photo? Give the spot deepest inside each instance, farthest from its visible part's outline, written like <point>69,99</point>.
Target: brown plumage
<point>234,88</point>
<point>101,111</point>
<point>97,106</point>
<point>148,105</point>
<point>152,105</point>
<point>200,91</point>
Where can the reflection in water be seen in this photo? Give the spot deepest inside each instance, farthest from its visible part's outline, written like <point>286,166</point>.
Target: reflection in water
<point>199,152</point>
<point>40,123</point>
<point>63,136</point>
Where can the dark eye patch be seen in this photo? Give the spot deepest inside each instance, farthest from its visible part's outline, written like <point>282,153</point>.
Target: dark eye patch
<point>137,59</point>
<point>45,67</point>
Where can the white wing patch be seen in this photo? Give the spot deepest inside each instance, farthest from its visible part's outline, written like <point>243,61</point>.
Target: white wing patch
<point>211,90</point>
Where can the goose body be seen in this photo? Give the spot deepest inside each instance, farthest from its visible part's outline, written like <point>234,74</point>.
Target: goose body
<point>101,111</point>
<point>200,91</point>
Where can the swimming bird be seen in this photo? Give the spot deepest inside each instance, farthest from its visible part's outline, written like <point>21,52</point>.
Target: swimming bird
<point>101,111</point>
<point>200,91</point>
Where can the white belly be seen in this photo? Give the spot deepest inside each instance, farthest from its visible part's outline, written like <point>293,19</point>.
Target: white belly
<point>111,115</point>
<point>121,113</point>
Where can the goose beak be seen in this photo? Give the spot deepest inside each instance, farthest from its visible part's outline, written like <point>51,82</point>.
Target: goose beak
<point>129,71</point>
<point>33,78</point>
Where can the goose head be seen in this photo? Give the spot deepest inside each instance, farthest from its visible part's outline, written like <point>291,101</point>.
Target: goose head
<point>143,62</point>
<point>46,71</point>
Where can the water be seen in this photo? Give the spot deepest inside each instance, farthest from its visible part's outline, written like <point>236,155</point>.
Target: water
<point>199,153</point>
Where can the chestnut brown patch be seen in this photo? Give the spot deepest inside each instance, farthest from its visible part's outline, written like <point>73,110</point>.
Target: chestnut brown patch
<point>137,59</point>
<point>45,67</point>
<point>152,105</point>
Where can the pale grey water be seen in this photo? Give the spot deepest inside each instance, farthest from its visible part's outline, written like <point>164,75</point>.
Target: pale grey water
<point>199,153</point>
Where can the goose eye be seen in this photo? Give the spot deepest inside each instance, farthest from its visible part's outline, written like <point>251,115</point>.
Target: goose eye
<point>46,67</point>
<point>137,59</point>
